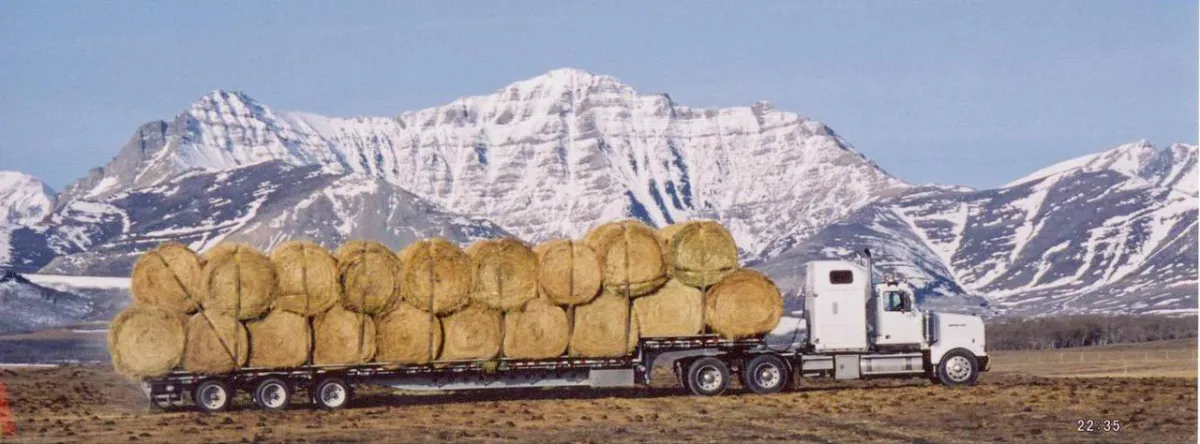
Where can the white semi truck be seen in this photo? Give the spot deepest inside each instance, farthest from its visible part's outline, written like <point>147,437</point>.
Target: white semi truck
<point>852,328</point>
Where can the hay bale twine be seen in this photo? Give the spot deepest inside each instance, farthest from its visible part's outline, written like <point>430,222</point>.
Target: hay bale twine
<point>673,310</point>
<point>436,274</point>
<point>306,278</point>
<point>342,336</point>
<point>537,331</point>
<point>146,341</point>
<point>403,335</point>
<point>600,327</point>
<point>280,339</point>
<point>701,253</point>
<point>505,273</point>
<point>370,276</point>
<point>665,234</point>
<point>631,256</point>
<point>568,272</point>
<point>746,303</point>
<point>216,343</point>
<point>239,281</point>
<point>471,333</point>
<point>168,277</point>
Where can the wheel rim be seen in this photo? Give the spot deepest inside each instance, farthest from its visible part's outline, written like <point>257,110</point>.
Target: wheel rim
<point>273,395</point>
<point>333,395</point>
<point>709,378</point>
<point>213,397</point>
<point>958,369</point>
<point>767,376</point>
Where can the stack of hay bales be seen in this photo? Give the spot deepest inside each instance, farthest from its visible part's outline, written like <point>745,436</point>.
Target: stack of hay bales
<point>306,285</point>
<point>434,302</point>
<point>147,339</point>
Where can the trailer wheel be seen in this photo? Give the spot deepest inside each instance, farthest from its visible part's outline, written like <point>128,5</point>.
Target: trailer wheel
<point>708,377</point>
<point>273,394</point>
<point>958,367</point>
<point>765,374</point>
<point>213,395</point>
<point>331,394</point>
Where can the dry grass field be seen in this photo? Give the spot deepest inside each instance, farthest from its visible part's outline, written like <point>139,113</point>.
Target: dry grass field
<point>1174,358</point>
<point>92,404</point>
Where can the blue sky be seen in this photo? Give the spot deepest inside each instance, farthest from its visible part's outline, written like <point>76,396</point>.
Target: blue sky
<point>967,93</point>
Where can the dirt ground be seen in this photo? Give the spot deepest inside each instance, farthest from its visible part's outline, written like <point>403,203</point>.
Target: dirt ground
<point>92,404</point>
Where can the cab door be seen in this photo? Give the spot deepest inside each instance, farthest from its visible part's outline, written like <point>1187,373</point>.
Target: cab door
<point>900,324</point>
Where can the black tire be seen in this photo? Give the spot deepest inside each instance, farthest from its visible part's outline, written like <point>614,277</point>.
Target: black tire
<point>331,394</point>
<point>958,368</point>
<point>212,396</point>
<point>273,394</point>
<point>708,377</point>
<point>765,374</point>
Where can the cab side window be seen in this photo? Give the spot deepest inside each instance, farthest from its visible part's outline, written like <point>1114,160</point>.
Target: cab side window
<point>893,301</point>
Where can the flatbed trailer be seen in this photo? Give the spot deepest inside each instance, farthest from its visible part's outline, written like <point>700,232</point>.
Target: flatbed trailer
<point>705,365</point>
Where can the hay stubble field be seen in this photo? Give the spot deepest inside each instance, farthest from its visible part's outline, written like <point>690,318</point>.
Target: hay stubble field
<point>90,403</point>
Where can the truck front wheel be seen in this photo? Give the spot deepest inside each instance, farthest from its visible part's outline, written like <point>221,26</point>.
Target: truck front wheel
<point>958,367</point>
<point>708,377</point>
<point>765,374</point>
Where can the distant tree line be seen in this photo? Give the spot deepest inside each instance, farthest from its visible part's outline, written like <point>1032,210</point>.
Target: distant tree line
<point>1056,332</point>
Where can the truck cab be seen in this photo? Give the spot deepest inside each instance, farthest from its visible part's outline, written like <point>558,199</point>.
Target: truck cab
<point>874,327</point>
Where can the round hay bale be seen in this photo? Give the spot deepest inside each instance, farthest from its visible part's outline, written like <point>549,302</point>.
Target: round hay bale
<point>538,331</point>
<point>702,253</point>
<point>436,274</point>
<point>601,328</point>
<point>238,281</point>
<point>403,335</point>
<point>280,339</point>
<point>471,333</point>
<point>216,343</point>
<point>673,310</point>
<point>746,303</point>
<point>568,272</point>
<point>306,278</point>
<point>168,277</point>
<point>145,341</point>
<point>506,273</point>
<point>370,276</point>
<point>341,336</point>
<point>631,256</point>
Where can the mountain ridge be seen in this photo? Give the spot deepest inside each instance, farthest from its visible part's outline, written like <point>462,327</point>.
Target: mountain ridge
<point>557,153</point>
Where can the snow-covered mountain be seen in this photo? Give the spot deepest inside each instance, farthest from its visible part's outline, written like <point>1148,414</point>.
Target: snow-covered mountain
<point>1110,232</point>
<point>553,155</point>
<point>24,200</point>
<point>29,306</point>
<point>263,204</point>
<point>545,157</point>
